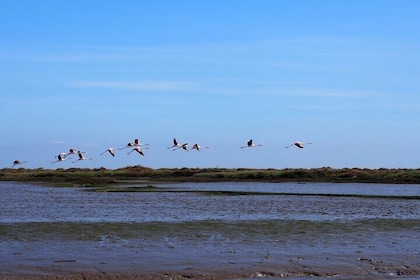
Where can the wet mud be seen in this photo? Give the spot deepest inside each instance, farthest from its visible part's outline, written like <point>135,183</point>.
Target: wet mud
<point>50,233</point>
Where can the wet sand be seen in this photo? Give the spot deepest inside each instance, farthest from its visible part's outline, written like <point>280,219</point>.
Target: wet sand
<point>294,268</point>
<point>367,249</point>
<point>325,267</point>
<point>56,233</point>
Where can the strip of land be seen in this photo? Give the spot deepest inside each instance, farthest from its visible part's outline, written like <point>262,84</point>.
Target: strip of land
<point>109,176</point>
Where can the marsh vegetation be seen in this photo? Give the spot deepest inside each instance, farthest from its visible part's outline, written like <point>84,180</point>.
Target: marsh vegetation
<point>108,176</point>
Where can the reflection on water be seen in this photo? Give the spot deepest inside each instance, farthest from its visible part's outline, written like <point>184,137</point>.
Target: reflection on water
<point>33,203</point>
<point>308,188</point>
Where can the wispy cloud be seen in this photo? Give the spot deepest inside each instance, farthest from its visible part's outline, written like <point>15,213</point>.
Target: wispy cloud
<point>227,87</point>
<point>225,51</point>
<point>173,86</point>
<point>81,57</point>
<point>63,57</point>
<point>318,92</point>
<point>289,90</point>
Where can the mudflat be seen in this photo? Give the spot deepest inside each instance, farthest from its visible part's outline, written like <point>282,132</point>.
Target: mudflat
<point>211,250</point>
<point>201,233</point>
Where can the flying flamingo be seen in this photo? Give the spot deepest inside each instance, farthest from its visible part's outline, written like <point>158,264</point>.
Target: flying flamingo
<point>81,157</point>
<point>249,144</point>
<point>138,150</point>
<point>130,144</point>
<point>136,143</point>
<point>175,145</point>
<point>110,150</point>
<point>184,146</point>
<point>60,157</point>
<point>198,147</point>
<point>72,151</point>
<point>17,162</point>
<point>298,144</point>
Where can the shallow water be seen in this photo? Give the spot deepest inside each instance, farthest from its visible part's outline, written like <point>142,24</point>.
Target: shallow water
<point>30,203</point>
<point>308,188</point>
<point>288,229</point>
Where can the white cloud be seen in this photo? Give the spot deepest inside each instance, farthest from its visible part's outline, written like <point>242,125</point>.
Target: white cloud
<point>281,90</point>
<point>227,87</point>
<point>138,86</point>
<point>318,93</point>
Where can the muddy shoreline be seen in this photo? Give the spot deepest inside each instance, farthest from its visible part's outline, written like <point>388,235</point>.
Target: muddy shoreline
<point>299,267</point>
<point>235,267</point>
<point>370,249</point>
<point>319,266</point>
<point>75,233</point>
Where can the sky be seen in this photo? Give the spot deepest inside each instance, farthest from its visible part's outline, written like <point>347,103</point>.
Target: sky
<point>343,75</point>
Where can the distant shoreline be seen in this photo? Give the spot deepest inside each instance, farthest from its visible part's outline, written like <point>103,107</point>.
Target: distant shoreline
<point>112,176</point>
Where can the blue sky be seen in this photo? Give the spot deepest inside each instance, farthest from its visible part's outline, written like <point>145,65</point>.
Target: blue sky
<point>343,75</point>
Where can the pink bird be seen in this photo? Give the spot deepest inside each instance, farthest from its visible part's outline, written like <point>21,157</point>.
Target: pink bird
<point>138,150</point>
<point>18,162</point>
<point>109,150</point>
<point>81,157</point>
<point>175,145</point>
<point>184,146</point>
<point>136,143</point>
<point>61,157</point>
<point>249,144</point>
<point>198,147</point>
<point>72,151</point>
<point>298,144</point>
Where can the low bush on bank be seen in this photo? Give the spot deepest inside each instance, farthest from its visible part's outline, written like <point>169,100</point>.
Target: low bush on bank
<point>103,175</point>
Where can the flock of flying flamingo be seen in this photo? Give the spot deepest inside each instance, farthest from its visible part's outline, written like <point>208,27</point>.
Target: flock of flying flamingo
<point>139,147</point>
